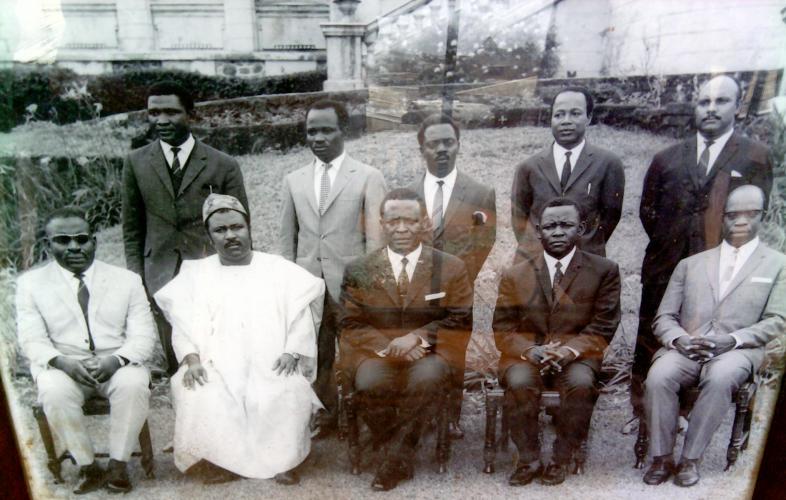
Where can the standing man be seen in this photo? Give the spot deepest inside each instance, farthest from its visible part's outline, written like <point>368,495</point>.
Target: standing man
<point>682,203</point>
<point>555,316</point>
<point>720,309</point>
<point>86,328</point>
<point>164,186</point>
<point>329,217</point>
<point>463,215</point>
<point>570,167</point>
<point>402,332</point>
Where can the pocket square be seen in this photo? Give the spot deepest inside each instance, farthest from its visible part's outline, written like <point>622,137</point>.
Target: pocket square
<point>759,279</point>
<point>734,173</point>
<point>435,296</point>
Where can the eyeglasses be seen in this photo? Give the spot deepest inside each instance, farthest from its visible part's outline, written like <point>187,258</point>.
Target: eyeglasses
<point>66,239</point>
<point>748,214</point>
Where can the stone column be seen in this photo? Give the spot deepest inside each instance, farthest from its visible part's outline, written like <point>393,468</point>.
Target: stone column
<point>135,26</point>
<point>240,20</point>
<point>343,42</point>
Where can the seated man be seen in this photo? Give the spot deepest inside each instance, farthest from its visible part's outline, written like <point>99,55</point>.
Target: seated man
<point>720,309</point>
<point>405,321</point>
<point>554,317</point>
<point>243,326</point>
<point>86,328</point>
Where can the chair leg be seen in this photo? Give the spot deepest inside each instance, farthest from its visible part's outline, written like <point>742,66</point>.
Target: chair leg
<point>746,428</point>
<point>443,440</point>
<point>341,410</point>
<point>146,448</point>
<point>353,444</point>
<point>490,444</point>
<point>53,461</point>
<point>738,434</point>
<point>580,456</point>
<point>504,428</point>
<point>642,444</point>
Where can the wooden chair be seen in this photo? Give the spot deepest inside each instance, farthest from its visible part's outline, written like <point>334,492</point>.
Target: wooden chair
<point>495,401</point>
<point>93,406</point>
<point>349,429</point>
<point>744,400</point>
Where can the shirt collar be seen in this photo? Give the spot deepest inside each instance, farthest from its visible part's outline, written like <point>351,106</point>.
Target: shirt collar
<point>449,180</point>
<point>745,250</point>
<point>559,151</point>
<point>185,148</point>
<point>718,142</point>
<point>335,162</point>
<point>412,256</point>
<point>565,261</point>
<point>69,275</point>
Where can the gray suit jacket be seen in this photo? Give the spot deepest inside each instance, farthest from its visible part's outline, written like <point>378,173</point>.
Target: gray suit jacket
<point>349,228</point>
<point>597,184</point>
<point>162,228</point>
<point>470,225</point>
<point>753,307</point>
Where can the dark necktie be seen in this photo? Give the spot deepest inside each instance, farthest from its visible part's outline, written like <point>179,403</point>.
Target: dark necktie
<point>83,296</point>
<point>436,217</point>
<point>704,161</point>
<point>403,280</point>
<point>557,279</point>
<point>565,171</point>
<point>176,170</point>
<point>324,189</point>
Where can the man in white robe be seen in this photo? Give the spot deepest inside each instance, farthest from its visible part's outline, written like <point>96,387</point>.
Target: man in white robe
<point>244,326</point>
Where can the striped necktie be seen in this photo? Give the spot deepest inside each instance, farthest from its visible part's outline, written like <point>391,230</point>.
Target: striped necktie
<point>324,189</point>
<point>704,161</point>
<point>403,280</point>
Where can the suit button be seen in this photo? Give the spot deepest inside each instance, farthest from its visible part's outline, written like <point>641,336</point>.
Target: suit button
<point>86,342</point>
<point>323,236</point>
<point>319,259</point>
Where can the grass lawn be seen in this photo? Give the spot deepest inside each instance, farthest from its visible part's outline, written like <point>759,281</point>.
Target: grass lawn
<point>489,156</point>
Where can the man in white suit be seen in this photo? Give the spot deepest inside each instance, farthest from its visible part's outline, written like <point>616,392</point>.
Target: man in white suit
<point>330,215</point>
<point>720,309</point>
<point>86,328</point>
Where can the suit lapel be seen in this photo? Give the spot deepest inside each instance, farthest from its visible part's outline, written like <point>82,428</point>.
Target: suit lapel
<point>99,290</point>
<point>548,169</point>
<point>158,162</point>
<point>691,162</point>
<point>723,158</point>
<point>422,276</point>
<point>570,275</point>
<point>583,163</point>
<point>345,173</point>
<point>746,270</point>
<point>544,280</point>
<point>713,276</point>
<point>65,293</point>
<point>195,164</point>
<point>384,275</point>
<point>306,186</point>
<point>456,199</point>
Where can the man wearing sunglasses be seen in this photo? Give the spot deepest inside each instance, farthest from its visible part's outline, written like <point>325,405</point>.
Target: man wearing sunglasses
<point>720,309</point>
<point>86,328</point>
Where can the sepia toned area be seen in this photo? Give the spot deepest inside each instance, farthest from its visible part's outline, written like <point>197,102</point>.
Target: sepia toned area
<point>643,63</point>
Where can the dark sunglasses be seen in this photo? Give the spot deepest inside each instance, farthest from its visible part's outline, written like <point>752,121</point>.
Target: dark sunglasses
<point>66,239</point>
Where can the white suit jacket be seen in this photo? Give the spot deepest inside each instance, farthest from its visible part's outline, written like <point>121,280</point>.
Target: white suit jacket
<point>50,322</point>
<point>753,307</point>
<point>348,229</point>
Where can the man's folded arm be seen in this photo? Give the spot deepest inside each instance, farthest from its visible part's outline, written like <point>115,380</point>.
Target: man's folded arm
<point>33,336</point>
<point>773,319</point>
<point>593,339</point>
<point>666,326</point>
<point>457,324</point>
<point>352,322</point>
<point>140,327</point>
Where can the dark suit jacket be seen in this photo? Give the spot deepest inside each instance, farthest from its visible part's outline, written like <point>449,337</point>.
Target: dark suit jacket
<point>160,227</point>
<point>683,217</point>
<point>470,224</point>
<point>597,183</point>
<point>439,301</point>
<point>584,315</point>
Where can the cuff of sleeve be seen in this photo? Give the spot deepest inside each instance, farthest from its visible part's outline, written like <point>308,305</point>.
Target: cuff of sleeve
<point>424,343</point>
<point>123,361</point>
<point>574,351</point>
<point>737,341</point>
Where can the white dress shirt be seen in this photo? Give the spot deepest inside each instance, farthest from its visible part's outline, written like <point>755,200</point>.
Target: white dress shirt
<point>430,189</point>
<point>727,258</point>
<point>319,167</point>
<point>559,156</point>
<point>551,263</point>
<point>72,280</point>
<point>182,155</point>
<point>412,261</point>
<point>715,148</point>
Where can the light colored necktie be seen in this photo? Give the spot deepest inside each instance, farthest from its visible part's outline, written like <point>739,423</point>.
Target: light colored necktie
<point>565,171</point>
<point>403,280</point>
<point>436,212</point>
<point>704,160</point>
<point>324,189</point>
<point>728,273</point>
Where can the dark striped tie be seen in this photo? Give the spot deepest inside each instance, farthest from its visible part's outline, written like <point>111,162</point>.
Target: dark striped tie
<point>557,279</point>
<point>403,280</point>
<point>324,189</point>
<point>704,161</point>
<point>176,170</point>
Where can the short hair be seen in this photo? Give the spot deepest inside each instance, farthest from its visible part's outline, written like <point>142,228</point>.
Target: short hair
<point>246,217</point>
<point>562,201</point>
<point>747,187</point>
<point>580,90</point>
<point>338,107</point>
<point>403,194</point>
<point>436,119</point>
<point>67,212</point>
<point>730,77</point>
<point>169,87</point>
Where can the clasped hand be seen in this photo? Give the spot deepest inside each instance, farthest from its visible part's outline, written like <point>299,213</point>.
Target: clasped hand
<point>286,364</point>
<point>407,347</point>
<point>703,349</point>
<point>551,357</point>
<point>89,372</point>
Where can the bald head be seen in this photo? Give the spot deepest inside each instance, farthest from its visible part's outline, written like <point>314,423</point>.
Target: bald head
<point>742,215</point>
<point>717,105</point>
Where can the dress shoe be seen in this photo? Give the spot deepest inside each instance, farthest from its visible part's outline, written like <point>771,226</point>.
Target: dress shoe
<point>287,478</point>
<point>218,475</point>
<point>661,469</point>
<point>687,472</point>
<point>117,477</point>
<point>525,473</point>
<point>92,477</point>
<point>554,474</point>
<point>389,475</point>
<point>455,431</point>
